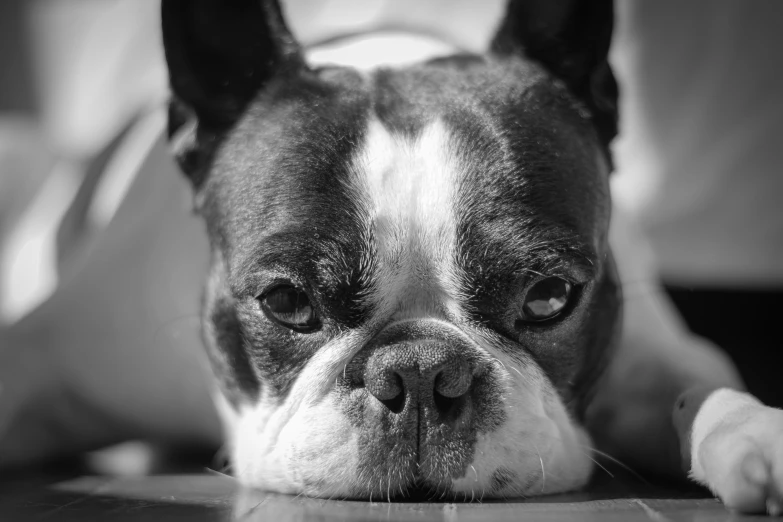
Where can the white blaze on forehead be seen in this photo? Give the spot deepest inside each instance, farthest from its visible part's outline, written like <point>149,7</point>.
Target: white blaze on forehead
<point>408,187</point>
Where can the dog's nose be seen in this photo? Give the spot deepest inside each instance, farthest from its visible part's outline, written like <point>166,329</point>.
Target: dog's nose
<point>429,372</point>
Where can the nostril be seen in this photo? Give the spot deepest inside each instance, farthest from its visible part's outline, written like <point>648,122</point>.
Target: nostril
<point>395,404</point>
<point>453,381</point>
<point>449,408</point>
<point>384,384</point>
<point>387,386</point>
<point>450,392</point>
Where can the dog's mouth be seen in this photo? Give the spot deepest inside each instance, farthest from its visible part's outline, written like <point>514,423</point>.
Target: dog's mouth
<point>419,398</point>
<point>416,453</point>
<point>421,490</point>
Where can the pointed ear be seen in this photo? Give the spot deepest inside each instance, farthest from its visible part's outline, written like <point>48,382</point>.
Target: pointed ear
<point>571,39</point>
<point>220,54</point>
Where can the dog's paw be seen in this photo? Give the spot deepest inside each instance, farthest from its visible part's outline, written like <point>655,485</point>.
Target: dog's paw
<point>737,452</point>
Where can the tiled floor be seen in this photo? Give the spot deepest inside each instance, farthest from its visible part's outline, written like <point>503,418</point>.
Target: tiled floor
<point>211,497</point>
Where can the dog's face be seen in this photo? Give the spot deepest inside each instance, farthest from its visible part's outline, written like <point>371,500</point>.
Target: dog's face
<point>411,287</point>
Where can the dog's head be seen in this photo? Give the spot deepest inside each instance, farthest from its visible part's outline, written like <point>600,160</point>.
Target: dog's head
<point>411,287</point>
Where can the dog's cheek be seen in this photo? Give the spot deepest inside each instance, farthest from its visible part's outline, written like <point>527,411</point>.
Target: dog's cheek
<point>307,449</point>
<point>505,458</point>
<point>323,453</point>
<point>538,449</point>
<point>223,339</point>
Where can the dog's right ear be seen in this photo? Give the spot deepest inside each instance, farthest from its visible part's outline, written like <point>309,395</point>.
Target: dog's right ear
<point>220,54</point>
<point>571,38</point>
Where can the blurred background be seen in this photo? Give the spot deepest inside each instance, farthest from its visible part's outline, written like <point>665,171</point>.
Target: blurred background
<point>699,159</point>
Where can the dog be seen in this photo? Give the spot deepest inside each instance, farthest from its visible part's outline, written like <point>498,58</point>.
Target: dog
<point>417,273</point>
<point>413,284</point>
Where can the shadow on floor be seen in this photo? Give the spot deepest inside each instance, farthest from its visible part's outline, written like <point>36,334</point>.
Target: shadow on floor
<point>212,497</point>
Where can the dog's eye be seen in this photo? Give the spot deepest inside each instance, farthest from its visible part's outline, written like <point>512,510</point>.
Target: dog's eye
<point>546,299</point>
<point>290,307</point>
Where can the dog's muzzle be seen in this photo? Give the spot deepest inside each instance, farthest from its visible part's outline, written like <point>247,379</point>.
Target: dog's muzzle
<point>426,380</point>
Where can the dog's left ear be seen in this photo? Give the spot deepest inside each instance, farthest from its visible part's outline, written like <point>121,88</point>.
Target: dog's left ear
<point>571,39</point>
<point>220,55</point>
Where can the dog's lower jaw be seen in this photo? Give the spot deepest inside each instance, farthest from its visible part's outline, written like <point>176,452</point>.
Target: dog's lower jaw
<point>315,454</point>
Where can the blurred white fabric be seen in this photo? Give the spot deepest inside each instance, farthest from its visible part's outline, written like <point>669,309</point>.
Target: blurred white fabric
<point>97,62</point>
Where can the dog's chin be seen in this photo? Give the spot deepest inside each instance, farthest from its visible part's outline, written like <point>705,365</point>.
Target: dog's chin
<point>423,490</point>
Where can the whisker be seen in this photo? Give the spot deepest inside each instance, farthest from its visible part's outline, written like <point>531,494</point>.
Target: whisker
<point>607,456</point>
<point>516,370</point>
<point>220,474</point>
<point>600,466</point>
<point>543,471</point>
<point>618,462</point>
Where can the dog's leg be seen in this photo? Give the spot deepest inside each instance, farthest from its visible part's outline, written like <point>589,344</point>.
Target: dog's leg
<point>672,403</point>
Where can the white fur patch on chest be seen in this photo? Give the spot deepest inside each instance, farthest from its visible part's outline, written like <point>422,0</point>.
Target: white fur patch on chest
<point>370,51</point>
<point>408,187</point>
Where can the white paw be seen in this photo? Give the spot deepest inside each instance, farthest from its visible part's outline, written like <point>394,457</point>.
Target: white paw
<point>737,451</point>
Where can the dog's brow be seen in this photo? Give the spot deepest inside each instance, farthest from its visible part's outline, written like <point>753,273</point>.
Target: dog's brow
<point>559,262</point>
<point>566,260</point>
<point>563,257</point>
<point>320,258</point>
